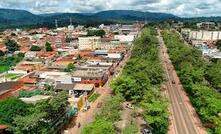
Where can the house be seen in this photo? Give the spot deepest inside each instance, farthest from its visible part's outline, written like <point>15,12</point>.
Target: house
<point>51,74</point>
<point>29,81</point>
<point>64,82</point>
<point>96,77</point>
<point>81,89</point>
<point>30,55</point>
<point>125,38</point>
<point>3,128</point>
<point>64,61</point>
<point>47,56</point>
<point>28,66</point>
<point>79,94</point>
<point>8,88</point>
<point>97,65</point>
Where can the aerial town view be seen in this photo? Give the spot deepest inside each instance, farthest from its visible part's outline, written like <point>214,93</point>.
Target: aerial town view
<point>110,67</point>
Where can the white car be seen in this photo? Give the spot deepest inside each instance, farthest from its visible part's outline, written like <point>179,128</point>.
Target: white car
<point>129,106</point>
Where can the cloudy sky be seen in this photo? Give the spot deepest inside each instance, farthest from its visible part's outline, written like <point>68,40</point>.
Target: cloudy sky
<point>183,8</point>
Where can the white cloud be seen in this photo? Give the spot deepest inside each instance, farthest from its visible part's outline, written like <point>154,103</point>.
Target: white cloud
<point>187,8</point>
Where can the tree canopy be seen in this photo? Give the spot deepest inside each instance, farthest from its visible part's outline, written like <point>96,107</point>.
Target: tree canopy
<point>35,48</point>
<point>12,46</point>
<point>48,47</point>
<point>96,33</point>
<point>1,53</point>
<point>218,44</point>
<point>10,108</point>
<point>70,67</point>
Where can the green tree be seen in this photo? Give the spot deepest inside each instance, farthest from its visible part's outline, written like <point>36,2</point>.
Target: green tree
<point>126,86</point>
<point>70,67</point>
<point>131,129</point>
<point>13,34</point>
<point>218,44</point>
<point>35,48</point>
<point>96,33</point>
<point>43,116</point>
<point>48,47</point>
<point>1,53</point>
<point>21,55</point>
<point>12,46</point>
<point>31,124</point>
<point>100,126</point>
<point>10,108</point>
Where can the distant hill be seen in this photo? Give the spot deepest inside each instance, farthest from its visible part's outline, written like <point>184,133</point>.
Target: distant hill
<point>13,18</point>
<point>131,15</point>
<point>17,17</point>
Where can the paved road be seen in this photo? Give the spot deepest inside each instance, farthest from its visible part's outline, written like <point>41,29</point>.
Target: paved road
<point>183,116</point>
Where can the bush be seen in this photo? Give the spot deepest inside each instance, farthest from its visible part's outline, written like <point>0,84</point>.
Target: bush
<point>48,47</point>
<point>35,48</point>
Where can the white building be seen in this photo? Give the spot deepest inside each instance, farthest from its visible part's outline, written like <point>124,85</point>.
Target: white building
<point>124,38</point>
<point>30,55</point>
<point>91,42</point>
<point>114,55</point>
<point>70,27</point>
<point>205,35</point>
<point>212,53</point>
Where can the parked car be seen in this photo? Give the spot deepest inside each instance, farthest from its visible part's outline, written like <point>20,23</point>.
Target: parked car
<point>129,106</point>
<point>146,131</point>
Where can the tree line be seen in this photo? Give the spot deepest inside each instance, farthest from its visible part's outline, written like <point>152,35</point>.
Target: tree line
<point>141,80</point>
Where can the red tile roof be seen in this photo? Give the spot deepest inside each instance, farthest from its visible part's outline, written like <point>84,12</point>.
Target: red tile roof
<point>2,126</point>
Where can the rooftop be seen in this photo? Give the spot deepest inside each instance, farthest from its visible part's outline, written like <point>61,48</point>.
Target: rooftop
<point>34,99</point>
<point>84,87</point>
<point>88,73</point>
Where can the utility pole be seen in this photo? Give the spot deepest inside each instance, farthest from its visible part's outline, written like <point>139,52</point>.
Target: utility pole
<point>56,23</point>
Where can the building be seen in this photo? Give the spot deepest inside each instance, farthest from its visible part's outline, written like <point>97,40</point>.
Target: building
<point>206,25</point>
<point>96,77</point>
<point>124,38</point>
<point>212,53</point>
<point>8,88</point>
<point>30,55</point>
<point>81,89</point>
<point>91,42</point>
<point>205,35</point>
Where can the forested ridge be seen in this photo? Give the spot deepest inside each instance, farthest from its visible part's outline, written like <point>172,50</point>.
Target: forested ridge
<point>200,78</point>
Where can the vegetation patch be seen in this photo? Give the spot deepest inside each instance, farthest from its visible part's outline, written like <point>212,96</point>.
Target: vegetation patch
<point>12,76</point>
<point>46,116</point>
<point>93,97</point>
